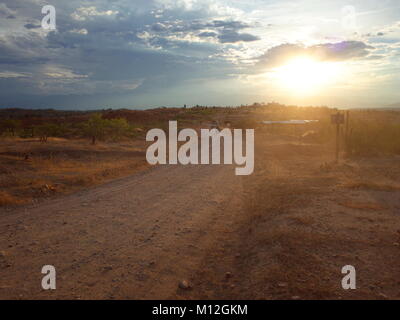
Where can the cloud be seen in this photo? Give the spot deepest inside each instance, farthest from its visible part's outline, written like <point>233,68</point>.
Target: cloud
<point>159,27</point>
<point>340,51</point>
<point>49,80</point>
<point>127,85</point>
<point>23,49</point>
<point>225,31</point>
<point>79,31</point>
<point>6,11</point>
<point>230,24</point>
<point>231,36</point>
<point>106,47</point>
<point>30,26</point>
<point>83,13</point>
<point>207,34</point>
<point>11,74</point>
<point>196,7</point>
<point>229,31</point>
<point>60,72</point>
<point>198,25</point>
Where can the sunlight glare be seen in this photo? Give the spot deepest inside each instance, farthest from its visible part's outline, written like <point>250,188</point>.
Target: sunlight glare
<point>306,76</point>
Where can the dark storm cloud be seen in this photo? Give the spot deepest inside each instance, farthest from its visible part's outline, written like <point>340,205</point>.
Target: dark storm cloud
<point>23,49</point>
<point>340,51</point>
<point>231,36</point>
<point>95,53</point>
<point>207,34</point>
<point>159,27</point>
<point>230,24</point>
<point>32,26</point>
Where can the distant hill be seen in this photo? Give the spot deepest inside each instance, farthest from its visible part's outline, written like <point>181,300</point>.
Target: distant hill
<point>393,106</point>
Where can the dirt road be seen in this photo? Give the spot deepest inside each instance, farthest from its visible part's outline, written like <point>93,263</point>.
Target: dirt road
<point>136,237</point>
<point>284,232</point>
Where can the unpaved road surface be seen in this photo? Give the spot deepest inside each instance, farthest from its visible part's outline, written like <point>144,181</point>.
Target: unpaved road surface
<point>284,232</point>
<point>136,237</point>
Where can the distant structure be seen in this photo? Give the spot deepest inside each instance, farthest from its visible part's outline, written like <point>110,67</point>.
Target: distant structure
<point>290,122</point>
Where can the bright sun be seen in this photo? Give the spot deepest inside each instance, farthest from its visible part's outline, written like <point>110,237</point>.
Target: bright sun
<point>305,76</point>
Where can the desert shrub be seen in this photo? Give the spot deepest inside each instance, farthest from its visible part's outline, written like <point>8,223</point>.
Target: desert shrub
<point>95,127</point>
<point>117,128</point>
<point>10,126</point>
<point>50,130</point>
<point>98,128</point>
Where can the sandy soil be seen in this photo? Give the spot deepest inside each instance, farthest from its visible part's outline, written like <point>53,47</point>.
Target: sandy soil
<point>283,233</point>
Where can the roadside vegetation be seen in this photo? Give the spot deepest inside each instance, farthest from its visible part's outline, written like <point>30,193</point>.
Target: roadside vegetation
<point>46,152</point>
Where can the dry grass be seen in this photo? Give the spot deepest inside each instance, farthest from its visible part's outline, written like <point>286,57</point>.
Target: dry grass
<point>8,199</point>
<point>61,166</point>
<point>294,239</point>
<point>369,185</point>
<point>362,205</point>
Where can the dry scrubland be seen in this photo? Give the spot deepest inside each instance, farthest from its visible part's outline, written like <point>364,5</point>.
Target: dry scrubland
<point>45,152</point>
<point>61,166</point>
<point>303,219</point>
<point>283,232</point>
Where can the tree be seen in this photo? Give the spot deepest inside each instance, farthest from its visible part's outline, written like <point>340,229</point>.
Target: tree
<point>95,127</point>
<point>117,128</point>
<point>48,129</point>
<point>11,125</point>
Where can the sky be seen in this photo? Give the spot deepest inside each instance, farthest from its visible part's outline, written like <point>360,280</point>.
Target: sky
<point>151,53</point>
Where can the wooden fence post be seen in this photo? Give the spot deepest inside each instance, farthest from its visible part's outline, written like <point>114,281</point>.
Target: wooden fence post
<point>337,138</point>
<point>337,119</point>
<point>347,134</point>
